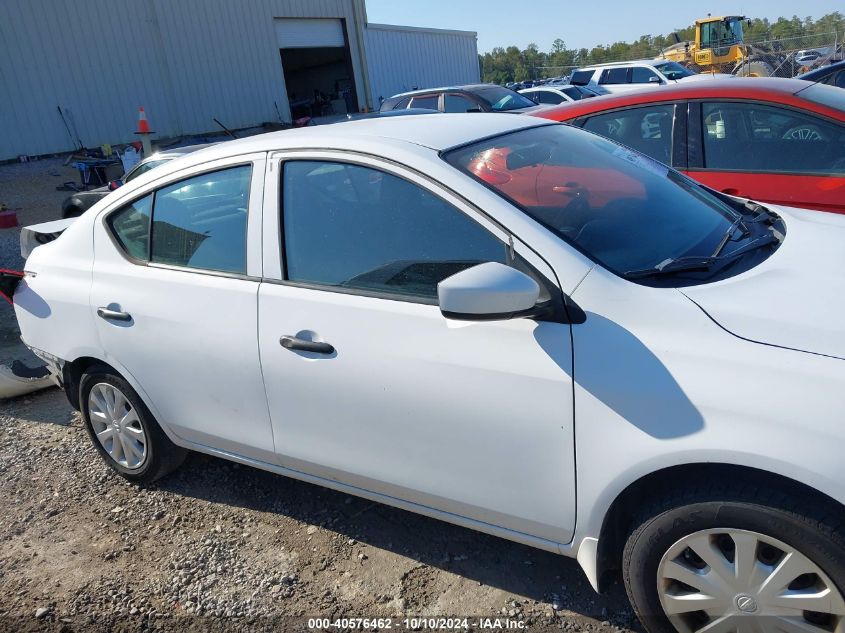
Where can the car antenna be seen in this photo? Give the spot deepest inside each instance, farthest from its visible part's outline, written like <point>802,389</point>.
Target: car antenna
<point>225,129</point>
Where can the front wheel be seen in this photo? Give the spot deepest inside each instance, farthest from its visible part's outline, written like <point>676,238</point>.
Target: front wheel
<point>122,428</point>
<point>731,561</point>
<point>756,68</point>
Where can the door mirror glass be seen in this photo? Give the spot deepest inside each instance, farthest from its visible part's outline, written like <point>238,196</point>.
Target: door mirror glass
<point>654,79</point>
<point>487,292</point>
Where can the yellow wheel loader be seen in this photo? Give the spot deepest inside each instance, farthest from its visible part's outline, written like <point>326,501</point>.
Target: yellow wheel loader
<point>719,47</point>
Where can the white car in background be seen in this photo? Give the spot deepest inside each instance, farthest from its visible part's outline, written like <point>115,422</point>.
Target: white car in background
<point>505,323</point>
<point>556,94</point>
<point>624,76</point>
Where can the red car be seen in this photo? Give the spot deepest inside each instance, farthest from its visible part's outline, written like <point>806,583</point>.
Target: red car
<point>772,140</point>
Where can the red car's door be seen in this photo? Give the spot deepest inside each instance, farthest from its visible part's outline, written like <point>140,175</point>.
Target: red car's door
<point>825,193</point>
<point>767,152</point>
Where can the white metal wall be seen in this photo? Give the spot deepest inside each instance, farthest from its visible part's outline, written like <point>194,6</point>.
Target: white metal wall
<point>402,58</point>
<point>185,61</point>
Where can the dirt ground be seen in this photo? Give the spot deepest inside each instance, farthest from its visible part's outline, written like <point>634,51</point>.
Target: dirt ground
<point>217,546</point>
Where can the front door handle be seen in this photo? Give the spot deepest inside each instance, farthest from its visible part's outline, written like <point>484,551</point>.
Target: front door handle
<point>317,347</point>
<point>113,315</point>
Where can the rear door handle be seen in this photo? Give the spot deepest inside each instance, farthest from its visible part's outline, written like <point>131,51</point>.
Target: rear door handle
<point>317,347</point>
<point>113,315</point>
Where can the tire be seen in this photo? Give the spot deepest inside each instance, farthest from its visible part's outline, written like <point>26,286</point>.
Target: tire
<point>71,212</point>
<point>756,68</point>
<point>777,522</point>
<point>140,462</point>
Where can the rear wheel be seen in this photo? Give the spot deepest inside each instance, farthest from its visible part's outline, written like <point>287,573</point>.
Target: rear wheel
<point>736,561</point>
<point>122,428</point>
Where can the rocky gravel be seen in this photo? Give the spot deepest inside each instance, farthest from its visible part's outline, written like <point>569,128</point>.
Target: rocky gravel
<point>218,546</point>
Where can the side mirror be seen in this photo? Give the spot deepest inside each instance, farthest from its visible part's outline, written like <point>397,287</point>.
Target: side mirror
<point>114,184</point>
<point>487,292</point>
<point>654,80</point>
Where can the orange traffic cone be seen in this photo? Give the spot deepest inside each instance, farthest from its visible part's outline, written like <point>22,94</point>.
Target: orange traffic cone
<point>144,132</point>
<point>143,126</point>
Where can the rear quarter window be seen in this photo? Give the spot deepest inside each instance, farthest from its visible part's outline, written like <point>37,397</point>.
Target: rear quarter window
<point>130,226</point>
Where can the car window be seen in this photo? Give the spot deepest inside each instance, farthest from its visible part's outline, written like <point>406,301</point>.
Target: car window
<point>673,70</point>
<point>502,99</point>
<point>647,129</point>
<point>581,77</point>
<point>201,222</point>
<point>614,76</point>
<point>458,103</point>
<point>429,102</point>
<point>547,96</point>
<point>349,226</point>
<point>836,79</point>
<point>573,93</point>
<point>642,75</point>
<point>143,168</point>
<point>755,137</point>
<point>131,226</point>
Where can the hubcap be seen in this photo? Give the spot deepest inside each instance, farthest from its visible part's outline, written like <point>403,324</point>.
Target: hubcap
<point>117,426</point>
<point>724,581</point>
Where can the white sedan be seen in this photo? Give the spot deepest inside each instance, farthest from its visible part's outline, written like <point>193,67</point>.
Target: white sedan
<point>508,324</point>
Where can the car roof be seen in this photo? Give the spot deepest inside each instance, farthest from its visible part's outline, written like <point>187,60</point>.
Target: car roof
<point>633,62</point>
<point>433,132</point>
<point>771,89</point>
<point>822,71</point>
<point>176,152</point>
<point>464,88</point>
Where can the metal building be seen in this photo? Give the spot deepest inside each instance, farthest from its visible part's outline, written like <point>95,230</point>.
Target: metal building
<point>76,71</point>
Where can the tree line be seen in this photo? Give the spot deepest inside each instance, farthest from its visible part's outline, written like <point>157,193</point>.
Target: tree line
<point>506,64</point>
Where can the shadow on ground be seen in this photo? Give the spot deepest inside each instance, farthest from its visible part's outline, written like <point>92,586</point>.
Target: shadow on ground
<point>488,560</point>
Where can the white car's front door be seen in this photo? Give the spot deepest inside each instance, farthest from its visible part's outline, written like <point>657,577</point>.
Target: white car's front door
<point>368,384</point>
<point>175,297</point>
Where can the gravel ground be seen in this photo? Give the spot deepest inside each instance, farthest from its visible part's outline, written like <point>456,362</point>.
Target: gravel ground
<point>226,547</point>
<point>217,546</point>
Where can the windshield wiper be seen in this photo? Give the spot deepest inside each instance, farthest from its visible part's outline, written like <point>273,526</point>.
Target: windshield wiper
<point>704,263</point>
<point>729,234</point>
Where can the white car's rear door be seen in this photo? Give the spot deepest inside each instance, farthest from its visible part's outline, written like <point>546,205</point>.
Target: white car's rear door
<point>176,304</point>
<point>474,419</point>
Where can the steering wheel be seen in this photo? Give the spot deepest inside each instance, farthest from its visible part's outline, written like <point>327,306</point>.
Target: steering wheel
<point>805,133</point>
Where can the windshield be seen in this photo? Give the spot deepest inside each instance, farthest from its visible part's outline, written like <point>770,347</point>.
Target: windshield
<point>734,26</point>
<point>825,95</point>
<point>503,99</point>
<point>673,70</point>
<point>621,208</point>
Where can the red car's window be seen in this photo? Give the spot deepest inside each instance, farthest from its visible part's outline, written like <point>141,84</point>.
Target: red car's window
<point>754,137</point>
<point>646,129</point>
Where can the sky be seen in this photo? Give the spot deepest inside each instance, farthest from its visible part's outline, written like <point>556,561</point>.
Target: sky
<point>579,24</point>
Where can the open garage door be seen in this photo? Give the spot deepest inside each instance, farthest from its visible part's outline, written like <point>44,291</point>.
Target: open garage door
<point>317,66</point>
